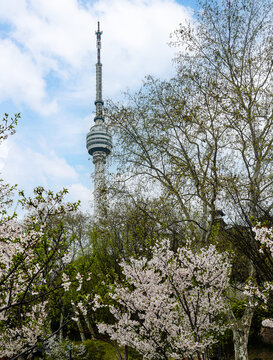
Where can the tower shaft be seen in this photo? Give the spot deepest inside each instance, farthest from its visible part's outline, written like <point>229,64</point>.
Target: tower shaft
<point>99,161</point>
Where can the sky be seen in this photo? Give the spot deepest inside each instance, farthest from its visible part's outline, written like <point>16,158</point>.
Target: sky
<point>47,73</point>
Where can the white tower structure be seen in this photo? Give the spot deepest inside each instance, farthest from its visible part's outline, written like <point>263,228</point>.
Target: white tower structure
<point>98,140</point>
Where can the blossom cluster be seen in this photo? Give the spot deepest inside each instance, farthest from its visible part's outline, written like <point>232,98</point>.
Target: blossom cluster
<point>264,236</point>
<point>18,284</point>
<point>172,303</point>
<point>17,338</point>
<point>79,307</point>
<point>267,323</point>
<point>29,252</point>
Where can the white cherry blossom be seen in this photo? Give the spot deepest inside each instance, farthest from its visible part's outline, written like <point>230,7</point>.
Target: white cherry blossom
<point>172,304</point>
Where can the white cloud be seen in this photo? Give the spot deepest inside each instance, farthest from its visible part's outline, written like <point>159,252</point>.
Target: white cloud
<point>79,192</point>
<point>29,168</point>
<point>46,40</point>
<point>136,37</point>
<point>56,38</point>
<point>70,133</point>
<point>4,152</point>
<point>49,28</point>
<point>21,80</point>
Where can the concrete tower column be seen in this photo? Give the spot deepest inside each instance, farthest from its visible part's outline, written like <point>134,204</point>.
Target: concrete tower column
<point>99,161</point>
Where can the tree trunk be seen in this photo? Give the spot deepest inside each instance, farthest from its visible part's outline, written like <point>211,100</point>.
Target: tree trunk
<point>125,352</point>
<point>89,326</point>
<point>240,331</point>
<point>61,334</point>
<point>79,324</point>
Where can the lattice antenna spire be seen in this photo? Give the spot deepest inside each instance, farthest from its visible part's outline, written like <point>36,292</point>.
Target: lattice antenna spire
<point>99,101</point>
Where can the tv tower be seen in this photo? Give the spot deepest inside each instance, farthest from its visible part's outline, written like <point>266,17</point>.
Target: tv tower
<point>98,140</point>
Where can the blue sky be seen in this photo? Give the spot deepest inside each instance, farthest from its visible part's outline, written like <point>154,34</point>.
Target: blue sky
<point>47,73</point>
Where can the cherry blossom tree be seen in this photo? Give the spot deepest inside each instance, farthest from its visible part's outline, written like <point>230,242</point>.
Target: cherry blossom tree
<point>170,305</point>
<point>175,304</point>
<point>32,252</point>
<point>264,237</point>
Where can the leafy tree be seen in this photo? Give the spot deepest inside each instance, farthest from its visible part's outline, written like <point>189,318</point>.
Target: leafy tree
<point>202,142</point>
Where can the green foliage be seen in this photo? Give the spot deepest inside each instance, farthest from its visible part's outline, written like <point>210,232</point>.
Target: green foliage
<point>88,350</point>
<point>97,350</point>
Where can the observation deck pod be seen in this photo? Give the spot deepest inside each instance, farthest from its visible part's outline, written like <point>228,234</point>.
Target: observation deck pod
<point>98,139</point>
